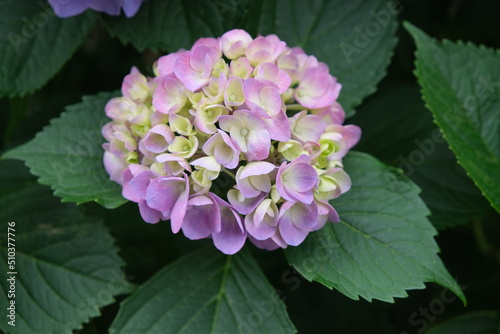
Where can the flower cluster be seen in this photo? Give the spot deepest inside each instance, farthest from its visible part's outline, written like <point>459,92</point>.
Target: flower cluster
<point>67,8</point>
<point>254,109</point>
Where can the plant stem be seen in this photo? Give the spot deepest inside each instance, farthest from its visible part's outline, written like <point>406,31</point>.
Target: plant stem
<point>229,173</point>
<point>482,242</point>
<point>295,107</point>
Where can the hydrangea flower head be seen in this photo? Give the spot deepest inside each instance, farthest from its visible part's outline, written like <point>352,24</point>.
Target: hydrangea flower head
<point>235,139</point>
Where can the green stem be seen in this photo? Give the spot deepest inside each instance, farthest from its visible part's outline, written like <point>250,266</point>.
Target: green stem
<point>229,173</point>
<point>295,107</point>
<point>482,242</point>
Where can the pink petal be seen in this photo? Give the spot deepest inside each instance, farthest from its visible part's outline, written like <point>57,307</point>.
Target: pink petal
<point>228,141</point>
<point>202,218</point>
<point>333,114</point>
<point>169,195</point>
<point>166,63</point>
<point>258,145</point>
<point>192,78</point>
<point>208,162</point>
<point>179,210</point>
<point>136,169</point>
<point>163,192</point>
<point>115,166</point>
<point>317,88</point>
<point>241,68</point>
<point>302,177</point>
<point>257,168</point>
<point>127,191</point>
<point>226,157</point>
<point>250,120</point>
<point>342,179</point>
<point>351,135</point>
<point>271,99</point>
<point>140,183</point>
<point>260,224</point>
<point>247,205</point>
<point>158,138</point>
<point>290,64</point>
<point>234,43</point>
<point>234,85</point>
<point>296,221</point>
<point>262,98</point>
<point>223,148</point>
<point>296,180</point>
<point>291,234</point>
<point>326,212</point>
<point>261,182</point>
<point>169,96</point>
<point>264,49</point>
<point>251,90</point>
<point>308,127</point>
<point>279,127</point>
<point>226,122</point>
<point>258,231</point>
<point>268,244</point>
<point>247,189</point>
<point>271,72</point>
<point>213,44</point>
<point>149,215</point>
<point>232,235</point>
<point>168,157</point>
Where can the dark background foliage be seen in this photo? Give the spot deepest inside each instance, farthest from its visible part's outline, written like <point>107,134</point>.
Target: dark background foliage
<point>469,238</point>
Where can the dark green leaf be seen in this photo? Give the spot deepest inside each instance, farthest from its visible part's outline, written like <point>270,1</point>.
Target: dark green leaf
<point>67,155</point>
<point>460,84</point>
<point>168,24</point>
<point>66,266</point>
<point>384,242</point>
<point>205,292</point>
<point>483,322</point>
<point>34,43</point>
<point>398,129</point>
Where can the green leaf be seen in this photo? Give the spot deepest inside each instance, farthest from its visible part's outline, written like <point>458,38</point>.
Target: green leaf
<point>67,155</point>
<point>167,24</point>
<point>355,38</point>
<point>35,44</point>
<point>482,322</point>
<point>408,139</point>
<point>460,84</point>
<point>383,244</point>
<point>66,264</point>
<point>205,292</point>
<point>451,196</point>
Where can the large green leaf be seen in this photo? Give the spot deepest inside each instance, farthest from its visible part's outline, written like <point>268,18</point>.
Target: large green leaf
<point>355,38</point>
<point>461,86</point>
<point>66,264</point>
<point>408,139</point>
<point>67,155</point>
<point>168,24</point>
<point>34,43</point>
<point>205,292</point>
<point>384,242</point>
<point>482,322</point>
